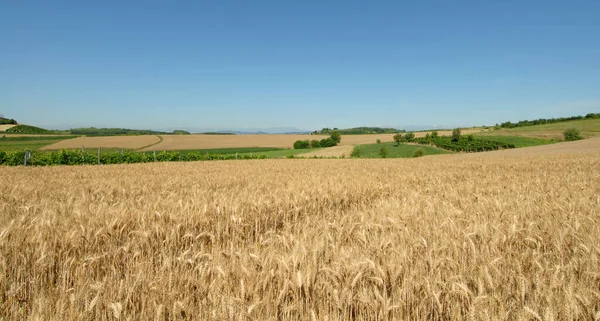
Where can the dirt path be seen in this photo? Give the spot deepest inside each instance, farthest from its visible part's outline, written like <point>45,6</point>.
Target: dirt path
<point>336,151</point>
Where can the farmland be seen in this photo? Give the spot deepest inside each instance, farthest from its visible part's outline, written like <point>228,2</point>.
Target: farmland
<point>128,142</point>
<point>512,234</point>
<point>200,142</point>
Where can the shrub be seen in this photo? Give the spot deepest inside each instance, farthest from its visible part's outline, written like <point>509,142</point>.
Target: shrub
<point>315,143</point>
<point>378,141</point>
<point>328,142</point>
<point>419,152</point>
<point>383,152</point>
<point>434,134</point>
<point>409,137</point>
<point>572,134</point>
<point>301,144</point>
<point>355,152</point>
<point>456,135</point>
<point>470,138</point>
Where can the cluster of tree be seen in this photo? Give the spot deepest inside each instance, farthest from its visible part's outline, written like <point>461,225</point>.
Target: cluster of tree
<point>181,132</point>
<point>6,121</point>
<point>93,131</point>
<point>408,137</point>
<point>456,142</point>
<point>542,121</point>
<point>77,157</point>
<point>357,131</point>
<point>334,138</point>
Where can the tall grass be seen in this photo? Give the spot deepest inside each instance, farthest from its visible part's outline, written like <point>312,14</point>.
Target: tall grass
<point>429,238</point>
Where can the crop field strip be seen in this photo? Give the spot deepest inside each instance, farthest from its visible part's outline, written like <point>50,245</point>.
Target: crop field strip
<point>129,142</point>
<point>489,236</point>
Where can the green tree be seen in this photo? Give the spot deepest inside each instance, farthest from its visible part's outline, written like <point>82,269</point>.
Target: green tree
<point>434,134</point>
<point>456,135</point>
<point>315,143</point>
<point>327,142</point>
<point>398,138</point>
<point>409,136</point>
<point>301,144</point>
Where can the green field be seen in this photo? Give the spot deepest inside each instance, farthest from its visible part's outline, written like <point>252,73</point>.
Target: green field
<point>8,143</point>
<point>394,151</point>
<point>588,127</point>
<point>518,141</point>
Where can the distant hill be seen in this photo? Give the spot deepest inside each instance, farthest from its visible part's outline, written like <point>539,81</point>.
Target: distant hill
<point>26,129</point>
<point>93,131</point>
<point>359,131</point>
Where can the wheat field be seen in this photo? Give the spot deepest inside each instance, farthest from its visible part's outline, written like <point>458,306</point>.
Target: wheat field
<point>500,237</point>
<point>129,142</point>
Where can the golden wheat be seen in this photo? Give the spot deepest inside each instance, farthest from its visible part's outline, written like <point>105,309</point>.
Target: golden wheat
<point>437,238</point>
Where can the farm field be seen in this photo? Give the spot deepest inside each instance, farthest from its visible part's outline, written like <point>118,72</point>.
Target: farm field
<point>128,142</point>
<point>587,127</point>
<point>401,151</point>
<point>196,142</point>
<point>5,127</point>
<point>497,235</point>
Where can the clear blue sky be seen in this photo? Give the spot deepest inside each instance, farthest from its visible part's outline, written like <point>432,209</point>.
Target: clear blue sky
<point>307,64</point>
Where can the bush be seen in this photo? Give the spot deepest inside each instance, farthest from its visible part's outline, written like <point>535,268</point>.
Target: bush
<point>301,144</point>
<point>419,152</point>
<point>572,134</point>
<point>470,138</point>
<point>328,142</point>
<point>409,137</point>
<point>434,134</point>
<point>336,137</point>
<point>355,152</point>
<point>315,143</point>
<point>456,135</point>
<point>378,141</point>
<point>383,152</point>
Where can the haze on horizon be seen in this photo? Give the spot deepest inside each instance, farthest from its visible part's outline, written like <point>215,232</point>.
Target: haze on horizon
<point>307,65</point>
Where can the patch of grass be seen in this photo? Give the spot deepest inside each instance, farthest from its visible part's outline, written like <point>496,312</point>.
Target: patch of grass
<point>518,141</point>
<point>9,143</point>
<point>13,145</point>
<point>394,151</point>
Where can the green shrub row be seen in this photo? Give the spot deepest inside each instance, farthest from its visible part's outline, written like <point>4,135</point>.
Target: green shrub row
<point>77,157</point>
<point>463,144</point>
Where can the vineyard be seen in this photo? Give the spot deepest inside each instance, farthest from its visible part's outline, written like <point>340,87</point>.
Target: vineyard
<point>464,144</point>
<point>78,157</point>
